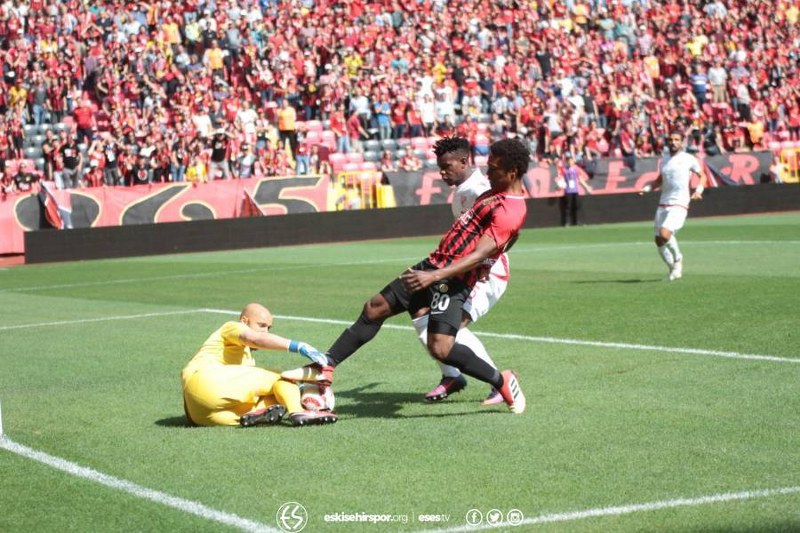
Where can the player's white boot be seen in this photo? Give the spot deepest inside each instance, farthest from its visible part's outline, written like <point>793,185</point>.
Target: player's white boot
<point>677,271</point>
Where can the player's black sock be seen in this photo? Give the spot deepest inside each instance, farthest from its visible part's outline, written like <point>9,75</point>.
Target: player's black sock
<point>464,359</point>
<point>361,332</point>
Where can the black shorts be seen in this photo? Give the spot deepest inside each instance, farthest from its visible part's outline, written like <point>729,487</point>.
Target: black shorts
<point>444,301</point>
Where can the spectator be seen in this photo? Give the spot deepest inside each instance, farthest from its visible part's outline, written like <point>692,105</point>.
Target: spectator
<point>84,122</point>
<point>219,167</point>
<point>287,126</point>
<point>72,161</point>
<point>410,162</point>
<point>25,177</point>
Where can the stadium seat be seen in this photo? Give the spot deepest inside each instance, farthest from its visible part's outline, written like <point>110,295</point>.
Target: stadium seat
<point>351,167</point>
<point>372,156</point>
<point>32,152</point>
<point>328,138</point>
<point>419,143</point>
<point>398,154</point>
<point>40,164</point>
<point>337,161</point>
<point>372,145</point>
<point>355,157</point>
<point>774,146</point>
<point>68,121</point>
<point>368,165</point>
<point>314,125</point>
<point>388,144</point>
<point>403,142</point>
<point>313,137</point>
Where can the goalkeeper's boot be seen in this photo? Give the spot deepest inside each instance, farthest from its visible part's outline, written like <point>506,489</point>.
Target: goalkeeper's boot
<point>311,418</point>
<point>512,392</point>
<point>494,398</point>
<point>313,373</point>
<point>446,387</point>
<point>268,415</point>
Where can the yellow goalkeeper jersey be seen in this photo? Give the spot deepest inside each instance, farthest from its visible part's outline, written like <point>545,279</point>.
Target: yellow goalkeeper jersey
<point>222,347</point>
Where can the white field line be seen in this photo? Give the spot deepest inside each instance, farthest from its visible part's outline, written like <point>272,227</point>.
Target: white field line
<point>629,509</point>
<point>181,504</point>
<point>517,250</point>
<point>98,319</point>
<point>554,340</point>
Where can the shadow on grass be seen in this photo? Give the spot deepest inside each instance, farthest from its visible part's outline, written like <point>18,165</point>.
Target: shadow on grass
<point>366,404</point>
<point>174,422</point>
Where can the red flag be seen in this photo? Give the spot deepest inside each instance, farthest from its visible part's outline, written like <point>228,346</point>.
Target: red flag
<point>250,207</point>
<point>52,213</point>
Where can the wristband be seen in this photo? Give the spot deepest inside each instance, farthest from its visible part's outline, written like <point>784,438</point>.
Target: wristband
<point>699,189</point>
<point>647,188</point>
<point>294,346</point>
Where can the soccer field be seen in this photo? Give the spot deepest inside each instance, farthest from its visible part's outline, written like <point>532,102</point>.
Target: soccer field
<point>652,406</point>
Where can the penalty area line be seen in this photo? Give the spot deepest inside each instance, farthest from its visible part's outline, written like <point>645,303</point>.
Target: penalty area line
<point>181,504</point>
<point>555,340</point>
<point>629,509</point>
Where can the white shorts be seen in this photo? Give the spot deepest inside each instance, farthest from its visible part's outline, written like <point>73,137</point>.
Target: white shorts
<point>671,217</point>
<point>487,293</point>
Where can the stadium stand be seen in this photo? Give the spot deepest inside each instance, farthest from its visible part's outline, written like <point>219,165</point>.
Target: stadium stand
<point>565,76</point>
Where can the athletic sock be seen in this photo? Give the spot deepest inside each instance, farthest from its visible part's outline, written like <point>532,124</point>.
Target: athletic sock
<point>666,255</point>
<point>288,394</point>
<point>468,339</point>
<point>672,246</point>
<point>361,332</point>
<point>463,358</point>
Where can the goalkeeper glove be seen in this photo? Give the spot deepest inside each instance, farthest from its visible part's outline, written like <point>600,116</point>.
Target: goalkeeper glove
<point>309,351</point>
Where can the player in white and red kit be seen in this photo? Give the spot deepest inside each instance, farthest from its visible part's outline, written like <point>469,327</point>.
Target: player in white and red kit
<point>452,156</point>
<point>440,285</point>
<point>674,178</point>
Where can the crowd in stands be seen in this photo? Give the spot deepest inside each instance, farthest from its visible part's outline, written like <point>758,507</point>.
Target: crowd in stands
<point>126,92</point>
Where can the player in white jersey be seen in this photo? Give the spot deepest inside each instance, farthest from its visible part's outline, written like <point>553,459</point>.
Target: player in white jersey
<point>452,156</point>
<point>675,175</point>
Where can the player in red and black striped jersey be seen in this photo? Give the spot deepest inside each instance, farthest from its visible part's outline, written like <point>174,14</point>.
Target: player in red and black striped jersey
<point>439,285</point>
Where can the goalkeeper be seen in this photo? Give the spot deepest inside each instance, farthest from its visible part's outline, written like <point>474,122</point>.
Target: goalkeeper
<point>223,387</point>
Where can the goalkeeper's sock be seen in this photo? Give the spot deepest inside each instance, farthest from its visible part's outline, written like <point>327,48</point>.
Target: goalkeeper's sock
<point>463,358</point>
<point>351,339</point>
<point>288,395</point>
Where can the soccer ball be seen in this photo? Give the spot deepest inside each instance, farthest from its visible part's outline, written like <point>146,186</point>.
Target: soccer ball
<point>314,397</point>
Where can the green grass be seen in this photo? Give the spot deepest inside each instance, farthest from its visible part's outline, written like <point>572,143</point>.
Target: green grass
<point>608,424</point>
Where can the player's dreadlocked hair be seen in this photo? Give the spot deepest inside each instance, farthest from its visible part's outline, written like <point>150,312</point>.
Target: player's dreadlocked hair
<point>513,154</point>
<point>445,145</point>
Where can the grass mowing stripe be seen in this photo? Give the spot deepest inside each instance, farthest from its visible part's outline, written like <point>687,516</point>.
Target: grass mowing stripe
<point>553,340</point>
<point>517,250</point>
<point>509,336</point>
<point>632,508</point>
<point>200,275</point>
<point>187,506</point>
<point>98,319</point>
